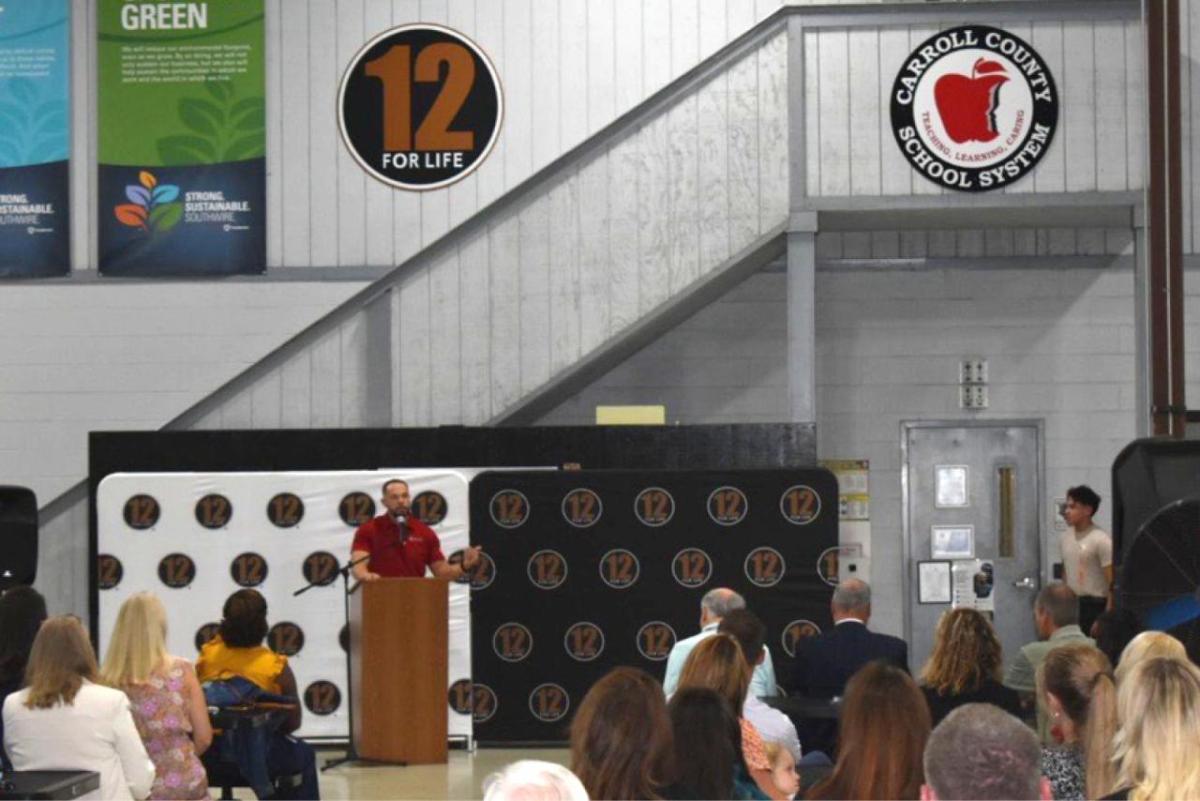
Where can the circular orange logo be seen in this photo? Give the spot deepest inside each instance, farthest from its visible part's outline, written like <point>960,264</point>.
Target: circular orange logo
<point>459,697</point>
<point>214,511</point>
<point>827,566</point>
<point>512,642</point>
<point>654,506</point>
<point>248,570</point>
<point>764,567</point>
<point>322,698</point>
<point>655,640</point>
<point>619,568</point>
<point>547,569</point>
<point>796,631</point>
<point>321,568</point>
<point>285,510</point>
<point>509,508</point>
<point>285,638</point>
<point>141,512</point>
<point>430,507</point>
<point>582,508</point>
<point>692,567</point>
<point>727,506</point>
<point>109,571</point>
<point>584,641</point>
<point>356,508</point>
<point>800,505</point>
<point>176,570</point>
<point>549,702</point>
<point>483,702</point>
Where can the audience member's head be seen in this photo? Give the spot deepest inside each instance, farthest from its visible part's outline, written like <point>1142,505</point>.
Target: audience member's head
<point>533,780</point>
<point>748,630</point>
<point>1056,606</point>
<point>1149,645</point>
<point>966,652</point>
<point>22,610</point>
<point>621,737</point>
<point>708,743</point>
<point>1159,706</point>
<point>979,752</point>
<point>1113,630</point>
<point>881,742</point>
<point>717,603</point>
<point>138,643</point>
<point>61,658</point>
<point>1077,690</point>
<point>851,598</point>
<point>1085,496</point>
<point>718,664</point>
<point>784,775</point>
<point>244,619</point>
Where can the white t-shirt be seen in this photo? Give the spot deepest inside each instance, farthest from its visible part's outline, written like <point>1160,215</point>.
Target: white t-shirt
<point>1085,555</point>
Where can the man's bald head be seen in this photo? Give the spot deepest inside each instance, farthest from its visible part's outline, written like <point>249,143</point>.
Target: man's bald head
<point>851,598</point>
<point>717,603</point>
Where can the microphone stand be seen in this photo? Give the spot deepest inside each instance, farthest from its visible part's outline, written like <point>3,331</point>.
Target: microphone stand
<point>351,750</point>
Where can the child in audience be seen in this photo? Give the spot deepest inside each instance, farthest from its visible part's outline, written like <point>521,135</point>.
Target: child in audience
<point>167,703</point>
<point>783,770</point>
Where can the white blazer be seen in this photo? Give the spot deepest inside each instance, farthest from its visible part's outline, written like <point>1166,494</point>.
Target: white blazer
<point>94,733</point>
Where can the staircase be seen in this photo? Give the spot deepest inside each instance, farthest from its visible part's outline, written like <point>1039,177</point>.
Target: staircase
<point>560,279</point>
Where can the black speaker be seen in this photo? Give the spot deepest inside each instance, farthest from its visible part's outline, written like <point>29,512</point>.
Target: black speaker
<point>18,536</point>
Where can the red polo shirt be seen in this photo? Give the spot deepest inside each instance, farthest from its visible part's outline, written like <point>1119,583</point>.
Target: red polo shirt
<point>380,537</point>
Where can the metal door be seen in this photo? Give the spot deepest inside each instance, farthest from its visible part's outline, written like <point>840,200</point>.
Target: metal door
<point>985,477</point>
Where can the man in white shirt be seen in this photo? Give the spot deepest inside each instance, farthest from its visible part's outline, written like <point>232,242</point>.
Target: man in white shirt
<point>1086,555</point>
<point>774,726</point>
<point>713,607</point>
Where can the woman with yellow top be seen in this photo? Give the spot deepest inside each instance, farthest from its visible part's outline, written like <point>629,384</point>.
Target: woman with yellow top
<point>238,650</point>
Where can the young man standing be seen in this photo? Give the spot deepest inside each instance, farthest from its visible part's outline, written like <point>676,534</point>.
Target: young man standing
<point>1086,555</point>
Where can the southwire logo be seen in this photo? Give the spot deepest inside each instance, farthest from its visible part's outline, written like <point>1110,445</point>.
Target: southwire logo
<point>153,207</point>
<point>974,108</point>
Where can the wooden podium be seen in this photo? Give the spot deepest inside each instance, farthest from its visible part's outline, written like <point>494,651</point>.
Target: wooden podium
<point>398,669</point>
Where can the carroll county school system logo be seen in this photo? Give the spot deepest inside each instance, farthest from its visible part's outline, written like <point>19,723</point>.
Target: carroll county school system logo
<point>154,207</point>
<point>974,108</point>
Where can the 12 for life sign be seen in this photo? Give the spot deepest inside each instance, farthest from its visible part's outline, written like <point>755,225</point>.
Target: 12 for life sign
<point>420,106</point>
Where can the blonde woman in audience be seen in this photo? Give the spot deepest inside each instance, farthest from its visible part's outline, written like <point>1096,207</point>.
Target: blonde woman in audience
<point>1157,750</point>
<point>1076,687</point>
<point>966,666</point>
<point>1149,645</point>
<point>168,704</point>
<point>64,720</point>
<point>718,664</point>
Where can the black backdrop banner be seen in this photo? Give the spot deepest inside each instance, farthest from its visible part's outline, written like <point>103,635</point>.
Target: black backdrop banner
<point>594,569</point>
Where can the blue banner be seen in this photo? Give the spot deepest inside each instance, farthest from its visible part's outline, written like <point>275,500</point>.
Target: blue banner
<point>34,138</point>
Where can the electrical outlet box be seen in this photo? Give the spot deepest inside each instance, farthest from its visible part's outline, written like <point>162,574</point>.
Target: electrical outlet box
<point>973,371</point>
<point>973,396</point>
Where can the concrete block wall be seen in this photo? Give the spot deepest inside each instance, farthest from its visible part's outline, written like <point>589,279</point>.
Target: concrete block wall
<point>1059,343</point>
<point>115,356</point>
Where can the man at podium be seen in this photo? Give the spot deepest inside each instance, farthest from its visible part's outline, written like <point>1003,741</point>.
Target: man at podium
<point>401,546</point>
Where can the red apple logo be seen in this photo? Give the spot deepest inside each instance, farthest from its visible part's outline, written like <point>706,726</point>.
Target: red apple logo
<point>968,104</point>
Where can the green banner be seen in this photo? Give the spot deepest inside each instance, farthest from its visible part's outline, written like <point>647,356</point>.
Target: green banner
<point>182,137</point>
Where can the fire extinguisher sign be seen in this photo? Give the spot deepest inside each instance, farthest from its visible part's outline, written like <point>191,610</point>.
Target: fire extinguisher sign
<point>974,108</point>
<point>420,106</point>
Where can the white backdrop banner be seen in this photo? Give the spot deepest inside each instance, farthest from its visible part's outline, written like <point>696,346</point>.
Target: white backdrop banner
<point>195,538</point>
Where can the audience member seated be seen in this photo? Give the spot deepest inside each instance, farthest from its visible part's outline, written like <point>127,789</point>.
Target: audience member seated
<point>825,663</point>
<point>237,651</point>
<point>533,780</point>
<point>965,666</point>
<point>1113,630</point>
<point>621,737</point>
<point>713,607</point>
<point>783,770</point>
<point>1056,621</point>
<point>63,720</point>
<point>22,610</point>
<point>884,727</point>
<point>718,664</point>
<point>982,753</point>
<point>775,727</point>
<point>707,760</point>
<point>1075,687</point>
<point>1158,703</point>
<point>1149,645</point>
<point>168,705</point>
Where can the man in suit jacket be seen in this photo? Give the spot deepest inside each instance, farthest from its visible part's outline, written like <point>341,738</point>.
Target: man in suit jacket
<point>824,664</point>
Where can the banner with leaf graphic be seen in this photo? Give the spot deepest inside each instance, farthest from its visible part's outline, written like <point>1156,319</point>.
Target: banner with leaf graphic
<point>35,237</point>
<point>182,138</point>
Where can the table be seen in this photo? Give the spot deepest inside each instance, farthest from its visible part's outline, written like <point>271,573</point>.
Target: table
<point>48,784</point>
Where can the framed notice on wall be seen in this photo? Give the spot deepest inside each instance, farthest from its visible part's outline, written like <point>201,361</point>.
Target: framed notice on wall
<point>35,238</point>
<point>182,140</point>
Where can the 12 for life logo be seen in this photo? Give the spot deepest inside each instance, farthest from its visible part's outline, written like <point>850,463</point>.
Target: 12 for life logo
<point>476,700</point>
<point>796,631</point>
<point>974,108</point>
<point>420,106</point>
